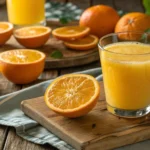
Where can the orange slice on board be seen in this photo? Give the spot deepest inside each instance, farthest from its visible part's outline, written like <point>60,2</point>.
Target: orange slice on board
<point>6,30</point>
<point>85,43</point>
<point>22,66</point>
<point>32,37</point>
<point>70,32</point>
<point>72,95</point>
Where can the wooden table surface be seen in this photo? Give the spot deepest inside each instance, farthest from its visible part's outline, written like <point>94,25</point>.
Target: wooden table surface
<point>8,138</point>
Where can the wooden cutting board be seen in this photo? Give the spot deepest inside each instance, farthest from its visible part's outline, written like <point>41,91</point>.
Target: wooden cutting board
<point>97,130</point>
<point>70,57</point>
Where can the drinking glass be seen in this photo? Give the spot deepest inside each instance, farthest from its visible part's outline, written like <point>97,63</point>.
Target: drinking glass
<point>125,61</point>
<point>26,12</point>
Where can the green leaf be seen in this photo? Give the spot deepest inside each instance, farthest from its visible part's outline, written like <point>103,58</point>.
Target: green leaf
<point>146,4</point>
<point>121,13</point>
<point>65,19</point>
<point>147,30</point>
<point>56,54</point>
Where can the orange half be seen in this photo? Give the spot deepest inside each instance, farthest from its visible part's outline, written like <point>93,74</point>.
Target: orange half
<point>32,37</point>
<point>72,95</point>
<point>85,43</point>
<point>22,66</point>
<point>70,32</point>
<point>6,30</point>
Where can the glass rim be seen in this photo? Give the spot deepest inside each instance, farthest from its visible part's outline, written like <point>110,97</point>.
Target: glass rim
<point>112,34</point>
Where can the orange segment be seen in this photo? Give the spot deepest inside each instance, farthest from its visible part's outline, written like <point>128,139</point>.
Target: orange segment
<point>72,95</point>
<point>85,43</point>
<point>32,37</point>
<point>70,32</point>
<point>6,30</point>
<point>22,66</point>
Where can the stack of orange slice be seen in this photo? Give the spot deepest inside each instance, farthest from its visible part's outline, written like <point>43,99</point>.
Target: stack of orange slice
<point>76,37</point>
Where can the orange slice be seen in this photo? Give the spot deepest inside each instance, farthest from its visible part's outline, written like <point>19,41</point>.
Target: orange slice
<point>70,32</point>
<point>85,43</point>
<point>6,30</point>
<point>32,37</point>
<point>72,95</point>
<point>22,66</point>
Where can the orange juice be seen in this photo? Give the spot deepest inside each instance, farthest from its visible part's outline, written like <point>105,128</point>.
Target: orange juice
<point>26,12</point>
<point>126,73</point>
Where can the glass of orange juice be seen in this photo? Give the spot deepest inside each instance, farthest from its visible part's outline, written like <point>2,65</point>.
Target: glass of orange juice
<point>26,12</point>
<point>125,60</point>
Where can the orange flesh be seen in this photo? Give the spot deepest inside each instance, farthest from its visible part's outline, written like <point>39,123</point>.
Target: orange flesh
<point>86,40</point>
<point>20,56</point>
<point>31,31</point>
<point>71,92</point>
<point>3,27</point>
<point>70,30</point>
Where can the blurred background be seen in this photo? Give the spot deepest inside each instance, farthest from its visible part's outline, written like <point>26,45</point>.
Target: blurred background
<point>55,8</point>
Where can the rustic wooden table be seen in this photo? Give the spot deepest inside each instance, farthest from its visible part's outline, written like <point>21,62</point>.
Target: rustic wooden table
<point>8,138</point>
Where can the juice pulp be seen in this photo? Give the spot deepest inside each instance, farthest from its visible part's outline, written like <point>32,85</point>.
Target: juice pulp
<point>25,12</point>
<point>126,73</point>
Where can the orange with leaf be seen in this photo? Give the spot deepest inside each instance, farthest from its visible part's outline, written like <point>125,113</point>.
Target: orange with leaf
<point>135,21</point>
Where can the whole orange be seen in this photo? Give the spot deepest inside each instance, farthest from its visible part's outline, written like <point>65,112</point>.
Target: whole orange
<point>101,19</point>
<point>134,21</point>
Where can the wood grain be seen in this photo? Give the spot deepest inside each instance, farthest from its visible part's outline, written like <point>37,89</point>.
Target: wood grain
<point>19,143</point>
<point>129,5</point>
<point>93,131</point>
<point>83,4</point>
<point>6,86</point>
<point>103,2</point>
<point>14,142</point>
<point>3,13</point>
<point>81,68</point>
<point>3,135</point>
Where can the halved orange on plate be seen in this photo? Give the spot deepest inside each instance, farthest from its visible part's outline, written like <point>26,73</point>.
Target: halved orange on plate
<point>85,43</point>
<point>70,32</point>
<point>72,95</point>
<point>22,66</point>
<point>6,30</point>
<point>32,37</point>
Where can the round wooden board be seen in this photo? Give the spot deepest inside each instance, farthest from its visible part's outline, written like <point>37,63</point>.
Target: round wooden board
<point>70,57</point>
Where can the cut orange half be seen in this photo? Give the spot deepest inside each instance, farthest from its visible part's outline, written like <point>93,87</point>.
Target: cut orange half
<point>85,43</point>
<point>72,95</point>
<point>32,37</point>
<point>22,66</point>
<point>70,32</point>
<point>6,30</point>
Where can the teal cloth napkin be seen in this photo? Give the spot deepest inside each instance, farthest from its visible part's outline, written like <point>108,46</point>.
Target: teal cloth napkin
<point>11,115</point>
